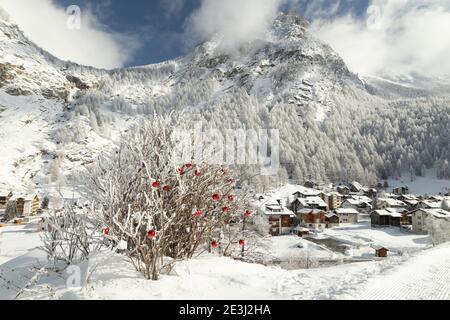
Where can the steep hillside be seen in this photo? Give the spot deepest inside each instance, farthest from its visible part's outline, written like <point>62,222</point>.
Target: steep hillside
<point>55,115</point>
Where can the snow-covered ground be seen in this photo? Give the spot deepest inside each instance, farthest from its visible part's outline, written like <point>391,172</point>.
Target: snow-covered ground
<point>393,238</point>
<point>428,184</point>
<point>415,274</point>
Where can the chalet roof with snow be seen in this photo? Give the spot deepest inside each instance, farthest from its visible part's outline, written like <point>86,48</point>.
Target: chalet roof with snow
<point>438,213</point>
<point>392,213</point>
<point>25,197</point>
<point>432,204</point>
<point>346,211</point>
<point>392,202</point>
<point>409,197</point>
<point>310,211</point>
<point>331,214</point>
<point>312,201</point>
<point>361,199</point>
<point>307,192</point>
<point>4,193</point>
<point>275,209</point>
<point>356,185</point>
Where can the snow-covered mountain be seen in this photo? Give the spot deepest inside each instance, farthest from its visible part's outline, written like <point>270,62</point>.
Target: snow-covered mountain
<point>55,115</point>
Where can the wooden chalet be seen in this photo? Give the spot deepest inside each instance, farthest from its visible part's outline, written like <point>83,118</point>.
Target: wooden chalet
<point>385,218</point>
<point>5,196</point>
<point>27,205</point>
<point>381,252</point>
<point>312,218</point>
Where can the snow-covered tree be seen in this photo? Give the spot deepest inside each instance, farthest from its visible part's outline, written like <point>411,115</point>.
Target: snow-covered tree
<point>157,209</point>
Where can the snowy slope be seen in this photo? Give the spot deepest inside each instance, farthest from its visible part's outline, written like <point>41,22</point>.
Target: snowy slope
<point>422,275</point>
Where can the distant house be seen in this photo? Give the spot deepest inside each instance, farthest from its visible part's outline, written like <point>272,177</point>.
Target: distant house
<point>406,219</point>
<point>306,192</point>
<point>281,219</point>
<point>4,198</point>
<point>344,190</point>
<point>355,187</point>
<point>312,218</point>
<point>429,204</point>
<point>359,204</point>
<point>301,231</point>
<point>385,218</point>
<point>400,190</point>
<point>331,220</point>
<point>27,205</point>
<point>311,184</point>
<point>384,203</point>
<point>332,199</point>
<point>381,252</point>
<point>421,218</point>
<point>370,192</point>
<point>347,215</point>
<point>409,200</point>
<point>310,203</point>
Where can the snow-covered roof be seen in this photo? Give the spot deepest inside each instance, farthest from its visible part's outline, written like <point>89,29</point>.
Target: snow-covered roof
<point>331,214</point>
<point>432,204</point>
<point>361,199</point>
<point>409,197</point>
<point>312,201</point>
<point>411,202</point>
<point>310,211</point>
<point>438,213</point>
<point>276,210</point>
<point>392,213</point>
<point>357,185</point>
<point>393,202</point>
<point>334,193</point>
<point>4,193</point>
<point>346,211</point>
<point>25,197</point>
<point>307,191</point>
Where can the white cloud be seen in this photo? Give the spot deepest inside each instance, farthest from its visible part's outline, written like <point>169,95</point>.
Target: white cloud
<point>396,38</point>
<point>45,23</point>
<point>237,21</point>
<point>172,7</point>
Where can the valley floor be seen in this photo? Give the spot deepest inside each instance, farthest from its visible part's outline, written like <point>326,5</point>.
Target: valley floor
<point>417,273</point>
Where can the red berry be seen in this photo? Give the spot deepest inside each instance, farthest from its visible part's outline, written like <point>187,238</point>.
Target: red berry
<point>198,173</point>
<point>241,243</point>
<point>198,214</point>
<point>216,197</point>
<point>156,184</point>
<point>214,244</point>
<point>231,198</point>
<point>248,213</point>
<point>180,171</point>
<point>225,209</point>
<point>188,165</point>
<point>151,234</point>
<point>166,188</point>
<point>106,231</point>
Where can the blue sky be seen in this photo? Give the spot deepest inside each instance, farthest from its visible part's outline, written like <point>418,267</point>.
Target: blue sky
<point>160,24</point>
<point>159,30</point>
